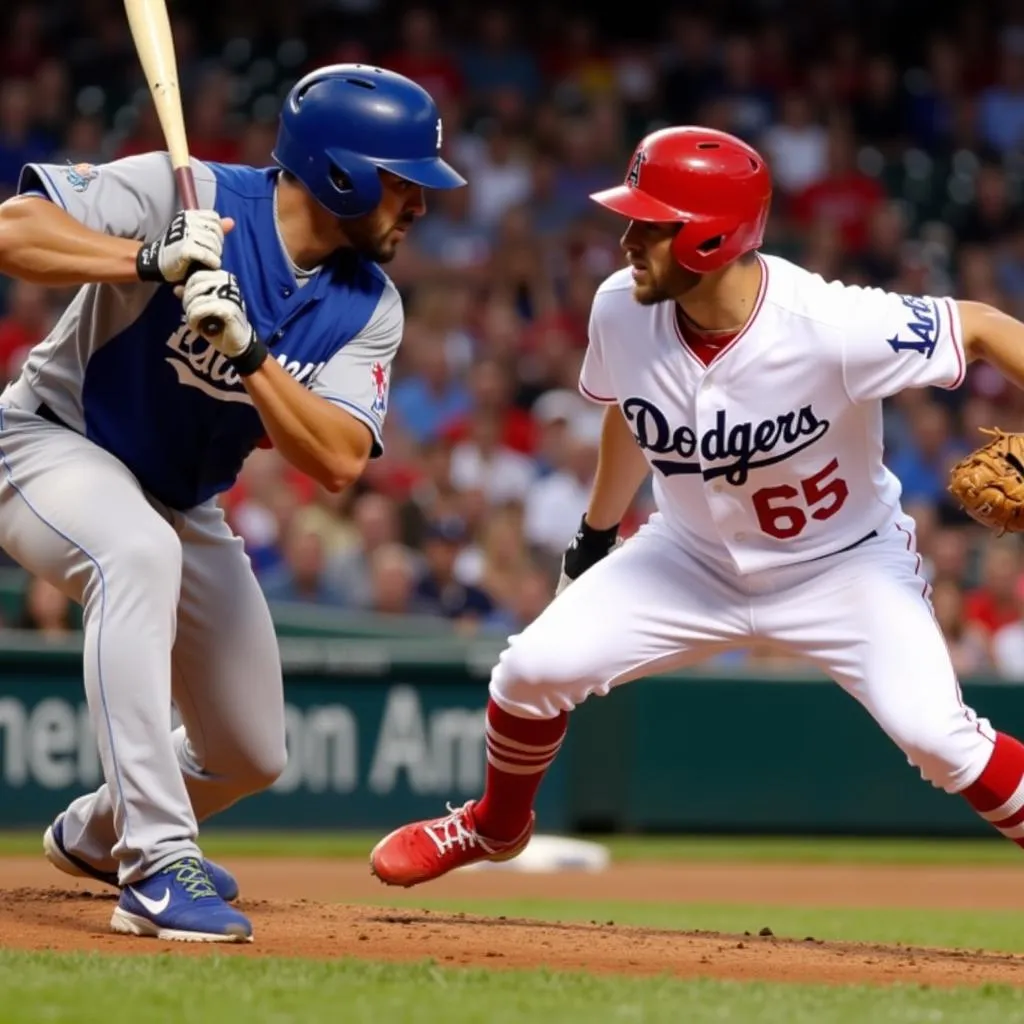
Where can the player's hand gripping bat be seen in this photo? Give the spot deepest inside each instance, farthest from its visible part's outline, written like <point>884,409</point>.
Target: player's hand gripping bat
<point>151,31</point>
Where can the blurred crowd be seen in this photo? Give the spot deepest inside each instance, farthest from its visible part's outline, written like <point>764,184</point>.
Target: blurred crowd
<point>896,137</point>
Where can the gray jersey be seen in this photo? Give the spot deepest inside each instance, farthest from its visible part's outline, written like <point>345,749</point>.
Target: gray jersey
<point>121,367</point>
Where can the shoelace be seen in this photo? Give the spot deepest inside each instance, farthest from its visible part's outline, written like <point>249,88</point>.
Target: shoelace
<point>192,877</point>
<point>451,830</point>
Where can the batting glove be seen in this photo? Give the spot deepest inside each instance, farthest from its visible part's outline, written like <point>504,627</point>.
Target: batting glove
<point>588,547</point>
<point>194,237</point>
<point>215,295</point>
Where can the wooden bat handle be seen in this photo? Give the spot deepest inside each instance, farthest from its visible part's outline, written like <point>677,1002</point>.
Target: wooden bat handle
<point>149,23</point>
<point>186,184</point>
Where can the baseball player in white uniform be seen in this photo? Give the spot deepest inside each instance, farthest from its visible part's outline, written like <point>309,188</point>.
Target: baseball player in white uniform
<point>128,421</point>
<point>752,390</point>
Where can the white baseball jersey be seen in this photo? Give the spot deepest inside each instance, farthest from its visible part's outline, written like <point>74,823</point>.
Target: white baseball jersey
<point>772,453</point>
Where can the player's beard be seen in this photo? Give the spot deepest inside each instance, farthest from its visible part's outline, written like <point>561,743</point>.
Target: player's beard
<point>675,284</point>
<point>650,294</point>
<point>373,243</point>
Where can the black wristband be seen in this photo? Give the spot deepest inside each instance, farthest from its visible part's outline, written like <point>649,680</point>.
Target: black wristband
<point>597,538</point>
<point>251,359</point>
<point>587,547</point>
<point>147,262</point>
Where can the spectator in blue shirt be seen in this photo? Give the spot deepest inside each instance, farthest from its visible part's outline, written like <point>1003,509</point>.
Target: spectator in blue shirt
<point>496,64</point>
<point>19,143</point>
<point>438,591</point>
<point>1001,108</point>
<point>923,461</point>
<point>301,575</point>
<point>428,396</point>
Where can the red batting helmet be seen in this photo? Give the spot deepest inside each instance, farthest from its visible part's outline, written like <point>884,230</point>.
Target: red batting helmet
<point>714,184</point>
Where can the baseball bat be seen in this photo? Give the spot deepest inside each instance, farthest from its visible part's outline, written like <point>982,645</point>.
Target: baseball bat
<point>150,27</point>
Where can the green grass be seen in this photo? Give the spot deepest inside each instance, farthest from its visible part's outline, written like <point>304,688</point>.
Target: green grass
<point>959,929</point>
<point>226,843</point>
<point>45,987</point>
<point>218,990</point>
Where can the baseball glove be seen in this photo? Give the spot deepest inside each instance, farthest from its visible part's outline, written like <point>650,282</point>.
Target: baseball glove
<point>989,482</point>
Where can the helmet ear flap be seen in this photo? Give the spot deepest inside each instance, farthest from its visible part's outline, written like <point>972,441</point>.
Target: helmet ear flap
<point>353,183</point>
<point>691,256</point>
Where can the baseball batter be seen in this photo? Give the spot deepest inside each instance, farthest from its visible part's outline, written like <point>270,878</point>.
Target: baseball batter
<point>127,422</point>
<point>752,390</point>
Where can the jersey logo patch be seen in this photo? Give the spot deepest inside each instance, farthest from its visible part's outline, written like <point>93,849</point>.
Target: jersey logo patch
<point>80,175</point>
<point>197,364</point>
<point>379,377</point>
<point>923,325</point>
<point>737,447</point>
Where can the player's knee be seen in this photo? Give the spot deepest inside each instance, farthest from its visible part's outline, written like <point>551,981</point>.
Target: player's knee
<point>246,769</point>
<point>265,766</point>
<point>256,758</point>
<point>251,763</point>
<point>243,762</point>
<point>948,753</point>
<point>539,680</point>
<point>149,559</point>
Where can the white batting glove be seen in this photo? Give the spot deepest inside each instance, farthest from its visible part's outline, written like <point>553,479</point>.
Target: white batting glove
<point>215,294</point>
<point>192,237</point>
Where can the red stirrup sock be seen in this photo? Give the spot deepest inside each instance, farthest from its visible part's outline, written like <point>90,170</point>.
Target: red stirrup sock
<point>519,752</point>
<point>998,794</point>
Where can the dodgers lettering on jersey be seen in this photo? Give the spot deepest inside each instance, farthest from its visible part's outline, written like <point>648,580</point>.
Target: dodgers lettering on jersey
<point>122,367</point>
<point>772,453</point>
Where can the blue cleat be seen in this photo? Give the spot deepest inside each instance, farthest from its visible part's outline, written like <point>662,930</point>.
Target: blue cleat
<point>179,903</point>
<point>53,846</point>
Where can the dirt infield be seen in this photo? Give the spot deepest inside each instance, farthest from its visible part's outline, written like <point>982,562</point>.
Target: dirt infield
<point>323,909</point>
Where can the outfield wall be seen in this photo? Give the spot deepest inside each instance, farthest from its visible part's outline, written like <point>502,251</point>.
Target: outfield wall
<point>383,731</point>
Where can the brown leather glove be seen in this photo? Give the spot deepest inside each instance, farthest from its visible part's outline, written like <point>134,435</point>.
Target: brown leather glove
<point>989,482</point>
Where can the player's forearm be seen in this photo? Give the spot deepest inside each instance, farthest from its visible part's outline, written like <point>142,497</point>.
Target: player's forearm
<point>995,337</point>
<point>621,469</point>
<point>313,435</point>
<point>41,243</point>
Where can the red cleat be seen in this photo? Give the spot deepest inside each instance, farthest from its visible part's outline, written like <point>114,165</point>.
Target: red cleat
<point>426,850</point>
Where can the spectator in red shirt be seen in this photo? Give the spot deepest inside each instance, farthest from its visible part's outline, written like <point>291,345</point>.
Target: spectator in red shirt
<point>845,196</point>
<point>210,136</point>
<point>27,322</point>
<point>256,144</point>
<point>145,135</point>
<point>968,642</point>
<point>23,48</point>
<point>51,101</point>
<point>423,58</point>
<point>578,64</point>
<point>84,141</point>
<point>776,67</point>
<point>996,602</point>
<point>492,388</point>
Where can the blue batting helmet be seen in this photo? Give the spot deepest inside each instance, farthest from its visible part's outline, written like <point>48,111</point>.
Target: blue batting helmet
<point>342,123</point>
